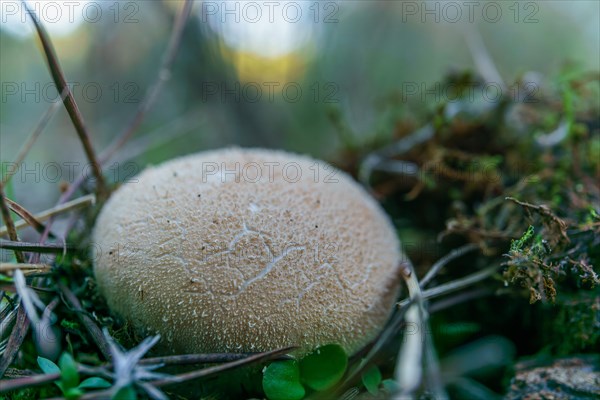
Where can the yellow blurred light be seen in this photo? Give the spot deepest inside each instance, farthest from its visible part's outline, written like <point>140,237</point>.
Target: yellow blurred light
<point>254,67</point>
<point>263,44</point>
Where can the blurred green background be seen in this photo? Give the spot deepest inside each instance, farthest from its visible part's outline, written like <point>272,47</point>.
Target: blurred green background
<point>266,74</point>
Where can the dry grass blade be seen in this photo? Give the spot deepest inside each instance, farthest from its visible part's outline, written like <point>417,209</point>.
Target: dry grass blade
<point>7,385</point>
<point>14,342</point>
<point>26,215</point>
<point>189,359</point>
<point>459,298</point>
<point>384,337</point>
<point>34,247</point>
<point>268,355</point>
<point>442,262</point>
<point>9,268</point>
<point>76,204</point>
<point>10,225</point>
<point>457,284</point>
<point>69,102</point>
<point>50,112</point>
<point>417,349</point>
<point>374,161</point>
<point>144,107</point>
<point>163,75</point>
<point>481,57</point>
<point>93,329</point>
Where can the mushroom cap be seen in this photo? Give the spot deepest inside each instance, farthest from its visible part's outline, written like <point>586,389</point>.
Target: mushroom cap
<point>238,250</point>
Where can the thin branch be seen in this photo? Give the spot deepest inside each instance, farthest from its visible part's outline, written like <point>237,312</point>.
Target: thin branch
<point>456,284</point>
<point>146,104</point>
<point>190,359</point>
<point>95,332</point>
<point>76,204</point>
<point>7,268</point>
<point>384,337</point>
<point>50,112</point>
<point>164,75</point>
<point>442,262</point>
<point>459,298</point>
<point>418,349</point>
<point>481,57</point>
<point>268,355</point>
<point>41,379</point>
<point>26,215</point>
<point>34,247</point>
<point>69,102</point>
<point>10,225</point>
<point>16,339</point>
<point>7,385</point>
<point>376,160</point>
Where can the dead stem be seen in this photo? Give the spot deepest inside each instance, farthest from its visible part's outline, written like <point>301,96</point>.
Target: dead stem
<point>34,247</point>
<point>456,284</point>
<point>26,215</point>
<point>15,340</point>
<point>8,268</point>
<point>268,355</point>
<point>50,112</point>
<point>69,102</point>
<point>187,359</point>
<point>442,262</point>
<point>10,225</point>
<point>7,385</point>
<point>144,107</point>
<point>95,332</point>
<point>417,349</point>
<point>76,204</point>
<point>163,76</point>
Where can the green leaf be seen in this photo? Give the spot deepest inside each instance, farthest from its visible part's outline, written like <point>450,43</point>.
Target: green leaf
<point>390,385</point>
<point>68,368</point>
<point>324,367</point>
<point>47,366</point>
<point>281,381</point>
<point>125,393</point>
<point>73,393</point>
<point>371,378</point>
<point>94,383</point>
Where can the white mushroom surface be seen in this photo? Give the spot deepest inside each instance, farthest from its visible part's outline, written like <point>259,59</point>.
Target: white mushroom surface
<point>239,250</point>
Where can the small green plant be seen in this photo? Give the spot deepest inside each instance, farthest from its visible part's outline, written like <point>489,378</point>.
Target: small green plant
<point>371,378</point>
<point>69,382</point>
<point>281,381</point>
<point>517,245</point>
<point>320,370</point>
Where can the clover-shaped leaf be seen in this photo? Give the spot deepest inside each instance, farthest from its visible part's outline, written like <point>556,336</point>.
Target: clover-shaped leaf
<point>281,381</point>
<point>324,367</point>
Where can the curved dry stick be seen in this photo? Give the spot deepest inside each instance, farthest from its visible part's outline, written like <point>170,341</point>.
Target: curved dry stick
<point>69,102</point>
<point>456,284</point>
<point>8,268</point>
<point>16,339</point>
<point>10,225</point>
<point>375,160</point>
<point>95,332</point>
<point>164,75</point>
<point>267,355</point>
<point>146,104</point>
<point>50,112</point>
<point>442,262</point>
<point>34,247</point>
<point>78,203</point>
<point>25,215</point>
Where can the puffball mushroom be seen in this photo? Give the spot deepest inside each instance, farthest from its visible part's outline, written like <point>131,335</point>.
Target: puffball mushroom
<point>240,250</point>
